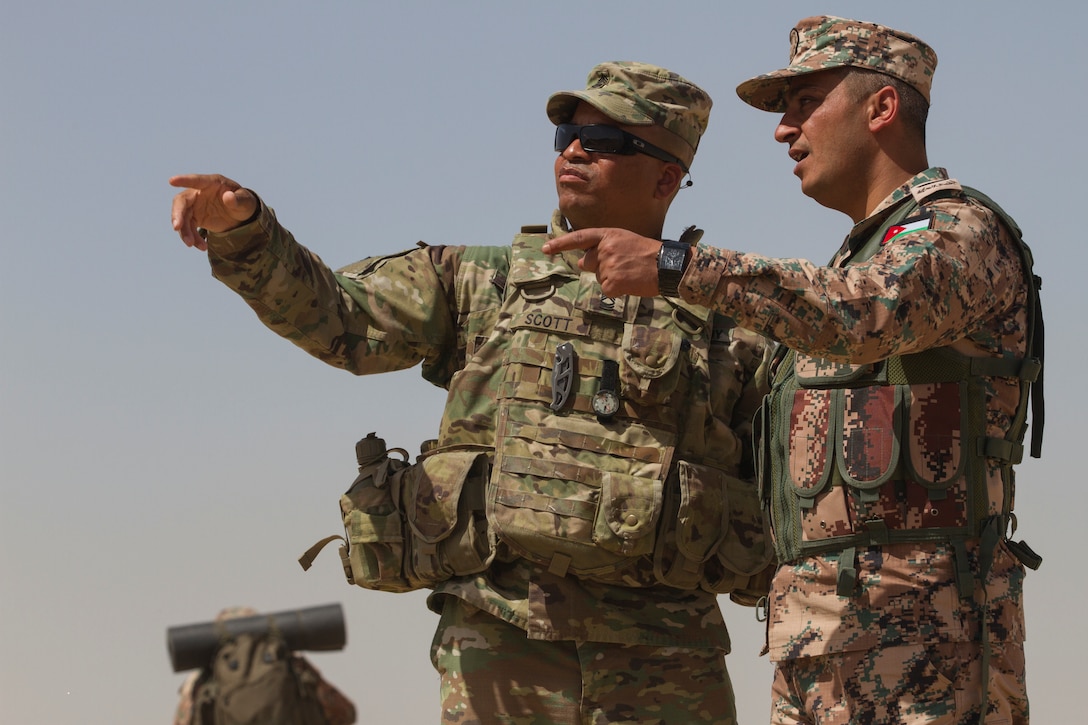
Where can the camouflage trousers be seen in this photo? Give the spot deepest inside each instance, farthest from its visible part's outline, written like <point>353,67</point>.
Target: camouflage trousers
<point>492,673</point>
<point>908,685</point>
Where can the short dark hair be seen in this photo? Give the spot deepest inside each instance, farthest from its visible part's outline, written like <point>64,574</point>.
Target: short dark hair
<point>914,108</point>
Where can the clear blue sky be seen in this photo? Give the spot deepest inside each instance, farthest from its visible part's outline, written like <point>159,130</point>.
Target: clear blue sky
<point>162,455</point>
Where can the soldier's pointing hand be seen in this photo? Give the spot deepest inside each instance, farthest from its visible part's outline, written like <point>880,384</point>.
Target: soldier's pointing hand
<point>625,262</point>
<point>211,201</point>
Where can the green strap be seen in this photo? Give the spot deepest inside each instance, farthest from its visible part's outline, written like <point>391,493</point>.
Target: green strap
<point>1024,553</point>
<point>878,532</point>
<point>1001,449</point>
<point>992,532</point>
<point>964,582</point>
<point>1026,370</point>
<point>1035,333</point>
<point>984,704</point>
<point>848,573</point>
<point>307,558</point>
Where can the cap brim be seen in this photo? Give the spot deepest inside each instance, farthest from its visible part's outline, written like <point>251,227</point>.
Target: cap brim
<point>561,107</point>
<point>768,91</point>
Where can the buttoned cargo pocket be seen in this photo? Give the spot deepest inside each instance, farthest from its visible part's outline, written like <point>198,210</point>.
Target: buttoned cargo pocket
<point>650,371</point>
<point>444,512</point>
<point>627,516</point>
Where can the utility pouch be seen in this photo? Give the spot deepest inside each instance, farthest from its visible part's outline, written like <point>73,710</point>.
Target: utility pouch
<point>693,524</point>
<point>744,562</point>
<point>410,526</point>
<point>444,512</point>
<point>714,535</point>
<point>376,545</point>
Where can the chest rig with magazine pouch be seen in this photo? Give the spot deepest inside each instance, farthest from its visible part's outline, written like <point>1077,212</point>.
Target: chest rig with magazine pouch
<point>897,451</point>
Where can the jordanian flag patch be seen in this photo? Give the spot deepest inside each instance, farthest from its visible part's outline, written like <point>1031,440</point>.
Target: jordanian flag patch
<point>914,224</point>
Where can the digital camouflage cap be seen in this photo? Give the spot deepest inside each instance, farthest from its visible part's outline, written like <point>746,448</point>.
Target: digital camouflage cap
<point>825,42</point>
<point>639,94</point>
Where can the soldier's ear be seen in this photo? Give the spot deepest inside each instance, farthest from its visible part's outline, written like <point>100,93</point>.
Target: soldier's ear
<point>882,108</point>
<point>668,181</point>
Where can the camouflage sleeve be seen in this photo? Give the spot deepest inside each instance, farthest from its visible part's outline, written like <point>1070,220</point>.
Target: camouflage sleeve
<point>927,289</point>
<point>381,314</point>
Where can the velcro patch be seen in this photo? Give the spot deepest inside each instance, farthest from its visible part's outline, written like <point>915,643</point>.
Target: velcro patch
<point>913,224</point>
<point>921,191</point>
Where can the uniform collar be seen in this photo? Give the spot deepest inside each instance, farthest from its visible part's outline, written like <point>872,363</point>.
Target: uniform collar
<point>884,208</point>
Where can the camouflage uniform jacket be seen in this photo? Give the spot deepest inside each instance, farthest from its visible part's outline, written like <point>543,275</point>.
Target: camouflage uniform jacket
<point>397,311</point>
<point>958,284</point>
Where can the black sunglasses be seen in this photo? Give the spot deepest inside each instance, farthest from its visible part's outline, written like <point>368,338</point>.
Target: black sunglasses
<point>601,139</point>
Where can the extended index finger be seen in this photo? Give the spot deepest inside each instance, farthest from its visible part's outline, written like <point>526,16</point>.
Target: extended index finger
<point>202,181</point>
<point>580,239</point>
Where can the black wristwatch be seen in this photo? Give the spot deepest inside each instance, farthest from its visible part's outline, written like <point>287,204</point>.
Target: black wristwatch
<point>671,260</point>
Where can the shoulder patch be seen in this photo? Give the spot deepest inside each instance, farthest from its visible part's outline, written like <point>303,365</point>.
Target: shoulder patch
<point>911,224</point>
<point>535,229</point>
<point>922,191</point>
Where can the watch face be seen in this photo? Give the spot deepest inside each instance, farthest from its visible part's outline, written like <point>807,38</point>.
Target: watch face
<point>606,403</point>
<point>672,258</point>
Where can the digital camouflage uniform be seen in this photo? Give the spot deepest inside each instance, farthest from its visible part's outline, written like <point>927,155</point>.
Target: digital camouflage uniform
<point>525,640</point>
<point>960,284</point>
<point>887,633</point>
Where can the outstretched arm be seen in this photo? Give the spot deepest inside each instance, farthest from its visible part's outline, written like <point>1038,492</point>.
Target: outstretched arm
<point>929,288</point>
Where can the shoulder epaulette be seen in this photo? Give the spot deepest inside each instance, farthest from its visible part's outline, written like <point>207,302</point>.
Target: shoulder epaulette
<point>929,188</point>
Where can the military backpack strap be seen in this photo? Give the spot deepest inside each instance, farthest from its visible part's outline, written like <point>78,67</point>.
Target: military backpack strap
<point>1030,370</point>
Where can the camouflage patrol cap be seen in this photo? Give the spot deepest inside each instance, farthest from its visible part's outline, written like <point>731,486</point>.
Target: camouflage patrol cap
<point>639,94</point>
<point>824,42</point>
